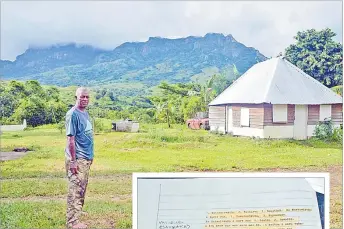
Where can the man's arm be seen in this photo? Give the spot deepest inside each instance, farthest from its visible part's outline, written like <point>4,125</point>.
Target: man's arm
<point>71,146</point>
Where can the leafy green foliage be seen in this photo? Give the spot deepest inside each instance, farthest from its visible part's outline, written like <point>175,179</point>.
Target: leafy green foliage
<point>173,105</point>
<point>337,135</point>
<point>32,102</point>
<point>326,131</point>
<point>61,126</point>
<point>102,125</point>
<point>33,110</point>
<point>338,89</point>
<point>181,101</point>
<point>318,55</point>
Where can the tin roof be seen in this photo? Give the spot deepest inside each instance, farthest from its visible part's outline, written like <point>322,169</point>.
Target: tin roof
<point>277,81</point>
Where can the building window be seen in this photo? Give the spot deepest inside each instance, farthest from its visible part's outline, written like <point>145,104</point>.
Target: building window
<point>325,112</point>
<point>245,117</point>
<point>280,113</point>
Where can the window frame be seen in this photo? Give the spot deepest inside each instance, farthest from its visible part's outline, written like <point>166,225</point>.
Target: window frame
<point>245,117</point>
<point>280,113</point>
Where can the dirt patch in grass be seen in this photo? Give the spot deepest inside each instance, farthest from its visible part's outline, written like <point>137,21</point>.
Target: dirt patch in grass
<point>6,156</point>
<point>121,198</point>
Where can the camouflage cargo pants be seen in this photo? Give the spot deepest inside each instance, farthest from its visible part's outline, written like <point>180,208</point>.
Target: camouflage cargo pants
<point>77,184</point>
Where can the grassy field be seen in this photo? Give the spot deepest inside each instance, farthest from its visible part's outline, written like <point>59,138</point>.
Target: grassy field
<point>33,188</point>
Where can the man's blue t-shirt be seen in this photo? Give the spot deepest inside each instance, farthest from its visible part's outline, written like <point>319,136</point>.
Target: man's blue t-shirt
<point>78,124</point>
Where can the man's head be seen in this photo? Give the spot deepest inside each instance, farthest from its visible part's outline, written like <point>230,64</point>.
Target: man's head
<point>82,97</point>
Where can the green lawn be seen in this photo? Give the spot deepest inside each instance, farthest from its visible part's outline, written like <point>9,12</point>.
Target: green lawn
<point>33,188</point>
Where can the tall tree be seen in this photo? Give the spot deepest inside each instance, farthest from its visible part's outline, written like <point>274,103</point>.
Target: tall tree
<point>53,93</point>
<point>31,102</point>
<point>55,111</point>
<point>8,103</point>
<point>33,109</point>
<point>17,89</point>
<point>32,87</point>
<point>318,55</point>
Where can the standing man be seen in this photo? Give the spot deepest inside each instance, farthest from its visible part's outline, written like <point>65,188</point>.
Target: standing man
<point>79,156</point>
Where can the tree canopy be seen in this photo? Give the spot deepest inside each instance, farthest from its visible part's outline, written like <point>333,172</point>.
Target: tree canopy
<point>32,102</point>
<point>318,55</point>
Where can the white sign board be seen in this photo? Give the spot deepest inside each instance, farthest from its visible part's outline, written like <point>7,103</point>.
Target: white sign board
<point>248,203</point>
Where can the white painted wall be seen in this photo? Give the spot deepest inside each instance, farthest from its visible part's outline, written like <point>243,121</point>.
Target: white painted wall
<point>219,129</point>
<point>325,112</point>
<point>229,119</point>
<point>248,132</point>
<point>272,131</point>
<point>268,131</point>
<point>336,125</point>
<point>245,117</point>
<point>310,130</point>
<point>278,131</point>
<point>13,127</point>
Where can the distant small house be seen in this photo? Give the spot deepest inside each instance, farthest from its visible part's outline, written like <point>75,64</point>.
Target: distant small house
<point>274,99</point>
<point>126,126</point>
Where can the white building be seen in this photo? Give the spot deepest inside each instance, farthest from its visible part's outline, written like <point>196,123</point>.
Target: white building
<point>274,99</point>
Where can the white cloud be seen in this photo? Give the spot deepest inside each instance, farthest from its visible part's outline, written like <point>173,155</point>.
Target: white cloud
<point>267,26</point>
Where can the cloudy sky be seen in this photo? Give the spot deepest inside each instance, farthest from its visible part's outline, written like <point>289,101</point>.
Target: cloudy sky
<point>265,25</point>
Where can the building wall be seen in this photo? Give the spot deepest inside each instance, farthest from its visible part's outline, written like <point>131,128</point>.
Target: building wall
<point>236,110</point>
<point>310,130</point>
<point>261,120</point>
<point>268,115</point>
<point>337,114</point>
<point>248,132</point>
<point>217,118</point>
<point>313,114</point>
<point>286,131</point>
<point>219,129</point>
<point>256,115</point>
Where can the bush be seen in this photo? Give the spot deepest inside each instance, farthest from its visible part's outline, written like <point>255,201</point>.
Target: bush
<point>102,125</point>
<point>337,135</point>
<point>98,125</point>
<point>326,131</point>
<point>61,126</point>
<point>9,121</point>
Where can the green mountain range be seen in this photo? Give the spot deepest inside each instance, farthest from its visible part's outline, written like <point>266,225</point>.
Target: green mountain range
<point>143,64</point>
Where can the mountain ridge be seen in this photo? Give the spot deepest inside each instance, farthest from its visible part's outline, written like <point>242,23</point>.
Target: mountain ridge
<point>158,58</point>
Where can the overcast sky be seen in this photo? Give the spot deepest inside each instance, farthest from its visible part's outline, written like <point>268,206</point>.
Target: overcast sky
<point>265,25</point>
